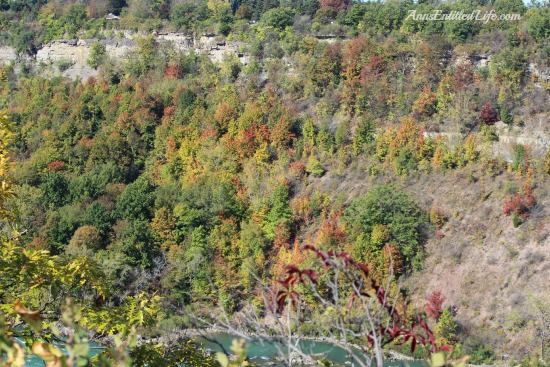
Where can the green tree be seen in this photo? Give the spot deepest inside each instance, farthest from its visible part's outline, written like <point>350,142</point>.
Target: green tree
<point>446,329</point>
<point>252,250</point>
<point>207,199</point>
<point>60,226</point>
<point>22,39</point>
<point>509,7</point>
<point>145,56</point>
<point>224,16</point>
<point>278,18</point>
<point>136,200</point>
<point>55,187</point>
<point>308,132</point>
<point>74,19</point>
<point>92,184</point>
<point>279,212</point>
<point>96,56</point>
<point>197,260</point>
<point>188,278</point>
<point>405,161</point>
<point>85,242</point>
<point>538,23</point>
<point>138,245</point>
<point>394,209</point>
<point>99,216</point>
<point>364,134</point>
<point>314,167</point>
<point>34,284</point>
<point>511,64</point>
<point>182,15</point>
<point>460,30</point>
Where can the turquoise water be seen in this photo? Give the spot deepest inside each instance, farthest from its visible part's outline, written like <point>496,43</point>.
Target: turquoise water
<point>263,352</point>
<point>34,361</point>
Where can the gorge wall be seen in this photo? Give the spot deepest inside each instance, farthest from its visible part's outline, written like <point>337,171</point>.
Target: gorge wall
<point>69,58</point>
<point>74,53</point>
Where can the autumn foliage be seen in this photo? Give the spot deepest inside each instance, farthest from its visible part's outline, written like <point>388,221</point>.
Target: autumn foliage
<point>56,166</point>
<point>488,114</point>
<point>520,203</point>
<point>434,305</point>
<point>335,5</point>
<point>364,286</point>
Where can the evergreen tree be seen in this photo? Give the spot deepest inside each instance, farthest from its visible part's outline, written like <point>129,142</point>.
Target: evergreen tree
<point>446,329</point>
<point>279,213</point>
<point>364,134</point>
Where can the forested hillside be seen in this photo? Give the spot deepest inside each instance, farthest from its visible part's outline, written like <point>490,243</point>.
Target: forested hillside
<point>417,147</point>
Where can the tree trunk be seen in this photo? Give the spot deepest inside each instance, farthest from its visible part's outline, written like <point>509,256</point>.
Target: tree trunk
<point>379,357</point>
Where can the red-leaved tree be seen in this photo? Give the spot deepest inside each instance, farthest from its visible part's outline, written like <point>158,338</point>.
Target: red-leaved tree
<point>335,5</point>
<point>365,310</point>
<point>521,203</point>
<point>488,114</point>
<point>434,306</point>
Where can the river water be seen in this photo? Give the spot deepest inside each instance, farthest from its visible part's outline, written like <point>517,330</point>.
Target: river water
<point>264,353</point>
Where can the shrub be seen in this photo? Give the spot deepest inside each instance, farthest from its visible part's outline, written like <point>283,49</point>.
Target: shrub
<point>516,220</point>
<point>64,64</point>
<point>520,203</point>
<point>437,216</point>
<point>480,354</point>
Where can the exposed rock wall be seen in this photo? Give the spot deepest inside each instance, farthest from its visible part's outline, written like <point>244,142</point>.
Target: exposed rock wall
<point>535,135</point>
<point>7,55</point>
<point>57,50</point>
<point>121,47</point>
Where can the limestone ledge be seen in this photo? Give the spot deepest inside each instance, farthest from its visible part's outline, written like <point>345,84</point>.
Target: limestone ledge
<point>119,48</point>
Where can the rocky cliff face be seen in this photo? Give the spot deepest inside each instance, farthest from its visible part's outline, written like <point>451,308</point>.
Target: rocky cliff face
<point>75,53</point>
<point>7,55</point>
<point>121,46</point>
